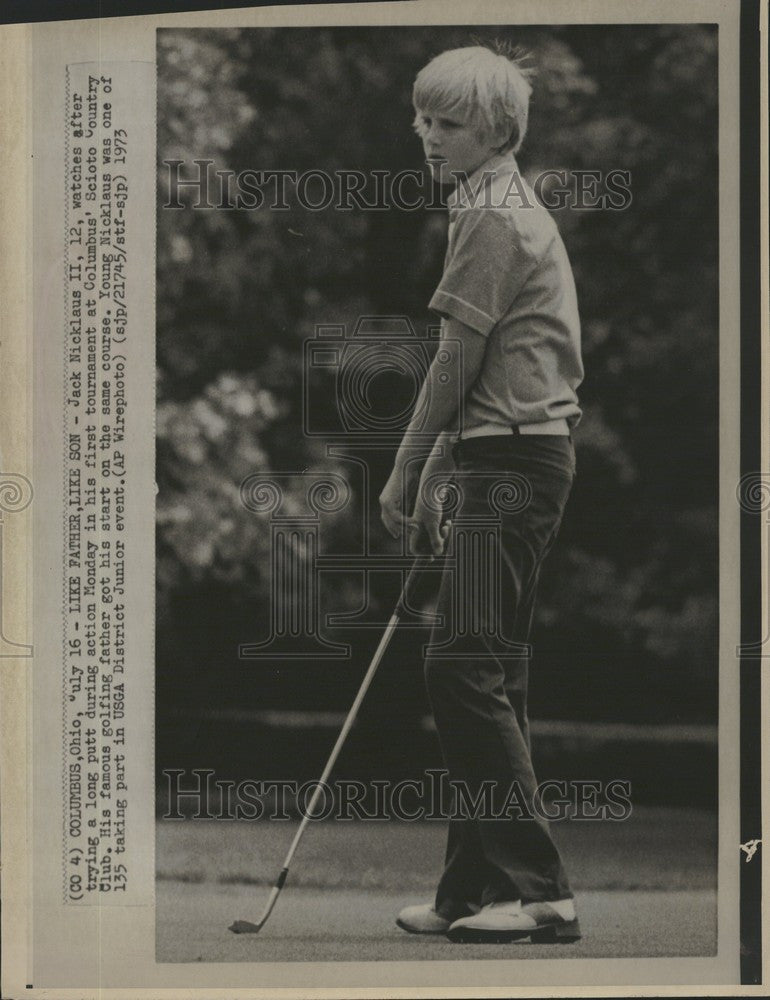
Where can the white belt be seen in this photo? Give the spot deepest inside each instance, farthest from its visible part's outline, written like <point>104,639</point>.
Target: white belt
<point>559,426</point>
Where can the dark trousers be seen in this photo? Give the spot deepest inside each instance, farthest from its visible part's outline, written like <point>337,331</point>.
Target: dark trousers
<point>512,494</point>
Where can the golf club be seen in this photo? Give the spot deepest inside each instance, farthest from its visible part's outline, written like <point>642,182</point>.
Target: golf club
<point>246,926</point>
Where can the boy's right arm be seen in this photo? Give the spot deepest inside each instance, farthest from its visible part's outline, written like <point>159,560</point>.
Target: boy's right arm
<point>426,518</point>
<point>435,411</point>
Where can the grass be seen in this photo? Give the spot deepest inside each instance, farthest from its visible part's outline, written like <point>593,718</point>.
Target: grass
<point>654,849</point>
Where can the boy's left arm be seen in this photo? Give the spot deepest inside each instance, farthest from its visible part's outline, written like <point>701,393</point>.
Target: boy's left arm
<point>436,407</point>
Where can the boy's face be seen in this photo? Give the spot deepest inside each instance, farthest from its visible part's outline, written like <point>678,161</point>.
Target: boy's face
<point>452,145</point>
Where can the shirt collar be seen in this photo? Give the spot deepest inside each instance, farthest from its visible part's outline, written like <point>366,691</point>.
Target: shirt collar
<point>473,187</point>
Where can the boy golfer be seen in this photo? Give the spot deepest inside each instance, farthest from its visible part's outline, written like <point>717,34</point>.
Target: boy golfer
<point>507,298</point>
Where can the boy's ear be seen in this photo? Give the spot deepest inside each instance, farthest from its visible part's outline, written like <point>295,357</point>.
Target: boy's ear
<point>497,137</point>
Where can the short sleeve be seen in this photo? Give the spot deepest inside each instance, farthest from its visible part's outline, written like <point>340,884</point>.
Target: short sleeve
<point>488,262</point>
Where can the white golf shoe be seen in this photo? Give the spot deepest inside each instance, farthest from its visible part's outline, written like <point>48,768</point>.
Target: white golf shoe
<point>423,919</point>
<point>498,923</point>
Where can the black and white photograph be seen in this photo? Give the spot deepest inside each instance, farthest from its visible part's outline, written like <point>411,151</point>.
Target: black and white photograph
<point>437,469</point>
<point>384,504</point>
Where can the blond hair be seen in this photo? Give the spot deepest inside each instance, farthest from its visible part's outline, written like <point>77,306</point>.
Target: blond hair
<point>477,84</point>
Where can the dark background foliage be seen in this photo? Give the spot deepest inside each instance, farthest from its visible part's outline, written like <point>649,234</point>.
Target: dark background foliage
<point>626,628</point>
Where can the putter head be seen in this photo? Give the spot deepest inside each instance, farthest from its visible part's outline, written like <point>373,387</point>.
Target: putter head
<point>244,927</point>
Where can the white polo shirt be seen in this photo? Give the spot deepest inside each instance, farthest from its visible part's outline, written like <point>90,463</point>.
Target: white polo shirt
<point>507,276</point>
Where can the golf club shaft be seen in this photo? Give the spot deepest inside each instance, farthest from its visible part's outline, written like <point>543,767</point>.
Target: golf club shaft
<point>369,677</point>
<point>418,564</point>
